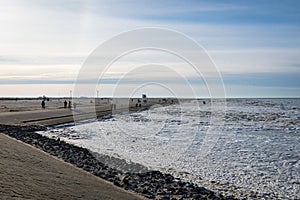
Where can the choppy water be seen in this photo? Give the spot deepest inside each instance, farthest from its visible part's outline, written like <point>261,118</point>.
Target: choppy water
<point>252,148</point>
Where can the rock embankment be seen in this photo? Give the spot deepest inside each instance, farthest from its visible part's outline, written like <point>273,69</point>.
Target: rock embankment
<point>150,184</point>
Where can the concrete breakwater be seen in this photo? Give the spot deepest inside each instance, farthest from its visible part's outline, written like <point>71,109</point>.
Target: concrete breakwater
<point>150,184</point>
<point>30,112</point>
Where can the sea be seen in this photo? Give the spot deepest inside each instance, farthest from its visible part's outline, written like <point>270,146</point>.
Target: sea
<point>232,146</point>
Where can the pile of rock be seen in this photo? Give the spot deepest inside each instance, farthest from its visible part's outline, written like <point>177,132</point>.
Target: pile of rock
<point>151,184</point>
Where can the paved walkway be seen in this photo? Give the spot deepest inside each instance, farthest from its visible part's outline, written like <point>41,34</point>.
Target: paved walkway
<point>52,116</point>
<point>28,173</point>
<point>61,115</point>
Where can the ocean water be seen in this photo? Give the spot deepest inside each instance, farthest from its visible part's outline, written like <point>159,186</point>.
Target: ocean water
<point>238,146</point>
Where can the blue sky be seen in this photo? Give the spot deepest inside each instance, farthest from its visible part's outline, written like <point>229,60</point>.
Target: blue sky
<point>254,44</point>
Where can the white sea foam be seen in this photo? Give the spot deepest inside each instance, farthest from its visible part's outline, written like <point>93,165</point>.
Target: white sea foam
<point>257,149</point>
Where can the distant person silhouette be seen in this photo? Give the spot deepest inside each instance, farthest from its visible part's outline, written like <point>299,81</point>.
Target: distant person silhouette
<point>70,104</point>
<point>65,104</point>
<point>43,104</point>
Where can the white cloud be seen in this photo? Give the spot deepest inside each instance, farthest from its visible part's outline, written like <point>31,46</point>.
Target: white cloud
<point>257,60</point>
<point>35,90</point>
<point>29,73</point>
<point>50,39</point>
<point>261,91</point>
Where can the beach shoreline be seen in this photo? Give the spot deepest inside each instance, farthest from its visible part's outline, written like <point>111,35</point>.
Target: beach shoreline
<point>149,184</point>
<point>24,124</point>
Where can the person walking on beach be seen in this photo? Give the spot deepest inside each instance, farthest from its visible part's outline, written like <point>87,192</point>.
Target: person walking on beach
<point>43,104</point>
<point>65,104</point>
<point>70,104</point>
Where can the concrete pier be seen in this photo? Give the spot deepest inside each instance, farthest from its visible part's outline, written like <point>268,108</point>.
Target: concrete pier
<point>29,112</point>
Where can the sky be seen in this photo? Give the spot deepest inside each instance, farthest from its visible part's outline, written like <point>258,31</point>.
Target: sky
<point>254,45</point>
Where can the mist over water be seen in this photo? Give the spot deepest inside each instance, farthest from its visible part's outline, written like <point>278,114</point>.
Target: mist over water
<point>257,149</point>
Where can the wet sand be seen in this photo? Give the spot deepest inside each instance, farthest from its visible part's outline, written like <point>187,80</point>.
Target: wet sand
<point>28,173</point>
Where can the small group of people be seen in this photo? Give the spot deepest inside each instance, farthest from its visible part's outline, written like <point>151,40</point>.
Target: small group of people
<point>69,104</point>
<point>66,104</point>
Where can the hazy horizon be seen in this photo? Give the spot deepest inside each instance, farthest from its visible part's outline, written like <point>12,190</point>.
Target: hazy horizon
<point>255,45</point>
